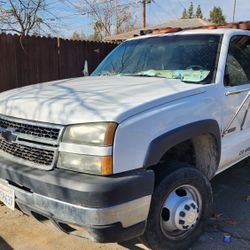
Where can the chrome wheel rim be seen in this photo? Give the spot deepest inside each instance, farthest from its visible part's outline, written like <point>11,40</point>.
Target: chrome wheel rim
<point>181,212</point>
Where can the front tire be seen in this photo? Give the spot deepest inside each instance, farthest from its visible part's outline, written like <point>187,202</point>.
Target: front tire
<point>180,206</point>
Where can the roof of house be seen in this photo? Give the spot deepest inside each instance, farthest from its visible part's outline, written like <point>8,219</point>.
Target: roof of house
<point>182,23</point>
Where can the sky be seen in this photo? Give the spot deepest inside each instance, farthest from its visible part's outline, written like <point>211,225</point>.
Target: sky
<point>158,11</point>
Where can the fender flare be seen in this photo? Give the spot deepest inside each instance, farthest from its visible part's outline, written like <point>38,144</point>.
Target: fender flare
<point>160,145</point>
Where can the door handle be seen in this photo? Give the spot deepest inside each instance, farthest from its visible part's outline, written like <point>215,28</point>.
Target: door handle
<point>234,92</point>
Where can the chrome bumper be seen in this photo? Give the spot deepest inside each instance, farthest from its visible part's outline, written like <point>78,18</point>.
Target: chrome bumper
<point>128,214</point>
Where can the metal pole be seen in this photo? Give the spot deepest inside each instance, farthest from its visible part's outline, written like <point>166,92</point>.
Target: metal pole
<point>116,16</point>
<point>235,2</point>
<point>143,13</point>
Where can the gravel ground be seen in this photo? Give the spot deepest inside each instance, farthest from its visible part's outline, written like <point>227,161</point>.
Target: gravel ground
<point>231,216</point>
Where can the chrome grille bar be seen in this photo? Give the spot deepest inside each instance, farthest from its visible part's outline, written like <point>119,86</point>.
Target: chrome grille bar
<point>33,131</point>
<point>36,144</point>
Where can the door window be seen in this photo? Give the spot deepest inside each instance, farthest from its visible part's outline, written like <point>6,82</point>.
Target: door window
<point>238,61</point>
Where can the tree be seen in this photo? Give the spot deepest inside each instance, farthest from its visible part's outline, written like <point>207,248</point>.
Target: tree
<point>78,37</point>
<point>125,20</point>
<point>108,17</point>
<point>191,10</point>
<point>25,17</point>
<point>184,14</point>
<point>216,16</point>
<point>98,30</point>
<point>199,13</point>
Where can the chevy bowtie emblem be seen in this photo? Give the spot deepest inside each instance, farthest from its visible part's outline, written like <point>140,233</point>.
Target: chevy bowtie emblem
<point>8,134</point>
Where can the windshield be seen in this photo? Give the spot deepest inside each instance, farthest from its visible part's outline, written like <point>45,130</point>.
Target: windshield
<point>191,58</point>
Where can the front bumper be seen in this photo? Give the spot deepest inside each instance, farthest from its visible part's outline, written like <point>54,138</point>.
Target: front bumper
<point>102,205</point>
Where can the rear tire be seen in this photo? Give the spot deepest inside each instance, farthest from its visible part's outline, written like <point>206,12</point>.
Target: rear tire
<point>180,207</point>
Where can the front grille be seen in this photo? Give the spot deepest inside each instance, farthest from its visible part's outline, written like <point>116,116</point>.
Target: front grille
<point>36,144</point>
<point>39,156</point>
<point>30,129</point>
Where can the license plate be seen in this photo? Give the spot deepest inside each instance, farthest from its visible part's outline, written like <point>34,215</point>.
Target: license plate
<point>7,194</point>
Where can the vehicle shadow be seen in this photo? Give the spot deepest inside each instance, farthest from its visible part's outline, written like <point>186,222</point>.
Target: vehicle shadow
<point>4,245</point>
<point>231,212</point>
<point>134,244</point>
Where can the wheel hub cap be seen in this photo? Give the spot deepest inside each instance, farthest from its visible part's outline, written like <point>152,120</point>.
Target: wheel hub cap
<point>186,214</point>
<point>181,210</point>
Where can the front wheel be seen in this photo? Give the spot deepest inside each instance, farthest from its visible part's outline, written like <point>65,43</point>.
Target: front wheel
<point>180,206</point>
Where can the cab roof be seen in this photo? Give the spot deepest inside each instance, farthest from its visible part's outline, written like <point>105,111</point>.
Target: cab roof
<point>230,28</point>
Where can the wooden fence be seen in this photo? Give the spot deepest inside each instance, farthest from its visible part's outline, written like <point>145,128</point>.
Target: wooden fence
<point>38,59</point>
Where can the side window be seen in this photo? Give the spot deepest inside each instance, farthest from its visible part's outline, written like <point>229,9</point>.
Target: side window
<point>238,62</point>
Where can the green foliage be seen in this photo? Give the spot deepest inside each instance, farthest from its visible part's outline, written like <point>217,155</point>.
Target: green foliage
<point>217,16</point>
<point>199,13</point>
<point>191,11</point>
<point>184,14</point>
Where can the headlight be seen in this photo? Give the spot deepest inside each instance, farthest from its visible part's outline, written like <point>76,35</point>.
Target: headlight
<point>86,163</point>
<point>92,134</point>
<point>99,134</point>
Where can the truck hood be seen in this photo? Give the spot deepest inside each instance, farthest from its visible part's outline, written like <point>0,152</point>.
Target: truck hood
<point>92,99</point>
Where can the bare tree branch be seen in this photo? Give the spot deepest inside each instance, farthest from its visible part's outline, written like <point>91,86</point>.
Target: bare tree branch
<point>25,17</point>
<point>108,16</point>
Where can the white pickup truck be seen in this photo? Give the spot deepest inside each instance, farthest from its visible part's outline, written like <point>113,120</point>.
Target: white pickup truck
<point>130,151</point>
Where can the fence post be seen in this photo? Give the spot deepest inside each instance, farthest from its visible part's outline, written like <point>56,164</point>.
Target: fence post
<point>59,56</point>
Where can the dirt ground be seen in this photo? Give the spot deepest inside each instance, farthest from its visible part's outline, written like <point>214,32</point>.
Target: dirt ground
<point>231,216</point>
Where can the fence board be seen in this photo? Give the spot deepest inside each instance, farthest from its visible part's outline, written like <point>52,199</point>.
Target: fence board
<point>8,74</point>
<point>33,60</point>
